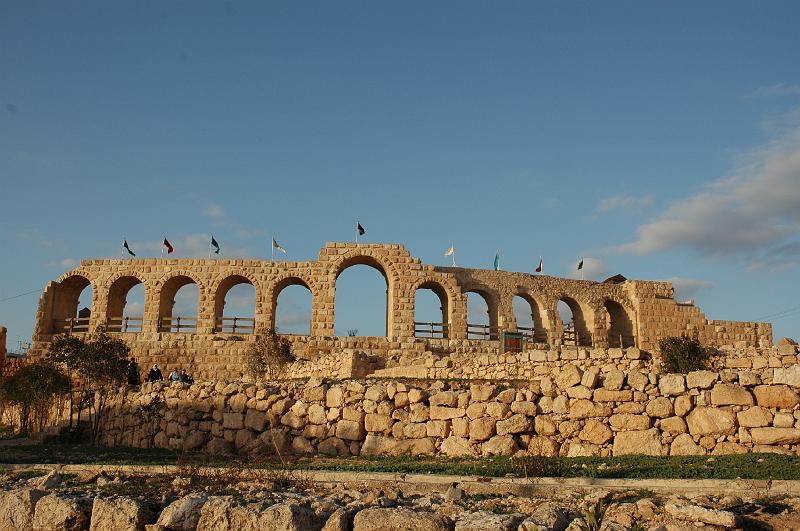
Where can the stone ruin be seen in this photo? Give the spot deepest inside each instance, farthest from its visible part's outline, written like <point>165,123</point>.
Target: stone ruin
<point>607,316</point>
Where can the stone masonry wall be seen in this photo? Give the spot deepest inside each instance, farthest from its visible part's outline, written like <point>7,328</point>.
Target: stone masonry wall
<point>631,313</point>
<point>570,412</point>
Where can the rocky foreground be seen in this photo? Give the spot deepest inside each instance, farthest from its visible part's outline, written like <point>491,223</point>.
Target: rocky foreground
<point>282,500</point>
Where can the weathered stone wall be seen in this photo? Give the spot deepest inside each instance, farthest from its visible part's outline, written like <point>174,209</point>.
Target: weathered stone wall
<point>632,313</point>
<point>572,412</point>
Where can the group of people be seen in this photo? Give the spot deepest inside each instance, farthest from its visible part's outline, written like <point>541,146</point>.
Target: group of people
<point>177,375</point>
<point>155,375</point>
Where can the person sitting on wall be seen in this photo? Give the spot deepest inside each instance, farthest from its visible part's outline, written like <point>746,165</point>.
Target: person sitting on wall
<point>174,376</point>
<point>185,378</point>
<point>133,373</point>
<point>155,374</point>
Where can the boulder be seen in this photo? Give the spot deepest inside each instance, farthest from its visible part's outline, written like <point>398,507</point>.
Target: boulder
<point>446,413</point>
<point>568,376</point>
<point>674,425</point>
<point>645,442</point>
<point>608,395</point>
<point>543,446</point>
<point>483,520</point>
<point>444,398</point>
<point>17,507</point>
<point>711,421</point>
<point>194,441</point>
<point>584,409</point>
<point>334,397</point>
<point>333,446</point>
<point>184,513</point>
<point>57,511</point>
<point>375,422</point>
<point>695,513</point>
<point>777,396</point>
<point>219,446</point>
<point>51,480</point>
<point>771,436</point>
<point>399,519</point>
<point>288,516</point>
<point>730,394</point>
<point>787,376</point>
<point>482,429</point>
<point>551,516</point>
<point>629,422</point>
<point>119,513</point>
<point>350,430</point>
<point>614,380</point>
<point>223,513</point>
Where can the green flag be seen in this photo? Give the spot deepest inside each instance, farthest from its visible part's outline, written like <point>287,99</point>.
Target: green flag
<point>215,245</point>
<point>497,261</point>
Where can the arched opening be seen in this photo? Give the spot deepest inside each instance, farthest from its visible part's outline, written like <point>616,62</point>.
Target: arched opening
<point>481,316</point>
<point>361,300</point>
<point>178,304</point>
<point>292,307</point>
<point>431,311</point>
<point>529,318</point>
<point>72,305</point>
<point>235,306</point>
<point>619,325</point>
<point>573,323</point>
<point>125,305</point>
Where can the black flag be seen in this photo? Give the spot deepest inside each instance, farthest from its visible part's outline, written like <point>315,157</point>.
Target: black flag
<point>580,264</point>
<point>360,229</point>
<point>125,244</point>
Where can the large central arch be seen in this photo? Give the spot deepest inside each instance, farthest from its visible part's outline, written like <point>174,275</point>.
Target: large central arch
<point>117,318</point>
<point>68,294</point>
<point>432,328</point>
<point>234,324</point>
<point>374,263</point>
<point>166,304</point>
<point>294,322</point>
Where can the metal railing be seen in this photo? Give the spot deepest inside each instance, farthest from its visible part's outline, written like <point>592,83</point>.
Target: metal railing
<point>531,335</point>
<point>480,331</point>
<point>621,341</point>
<point>181,325</point>
<point>124,325</point>
<point>432,330</point>
<point>235,325</point>
<point>72,325</point>
<point>569,336</point>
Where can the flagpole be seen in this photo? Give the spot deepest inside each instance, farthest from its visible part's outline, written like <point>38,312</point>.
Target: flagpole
<point>357,224</point>
<point>454,254</point>
<point>162,248</point>
<point>581,268</point>
<point>272,247</point>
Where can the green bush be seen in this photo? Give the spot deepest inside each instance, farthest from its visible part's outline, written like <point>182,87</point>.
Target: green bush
<point>683,355</point>
<point>269,357</point>
<point>35,389</point>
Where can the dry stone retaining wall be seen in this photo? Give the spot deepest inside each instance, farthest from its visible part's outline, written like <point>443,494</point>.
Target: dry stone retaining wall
<point>572,412</point>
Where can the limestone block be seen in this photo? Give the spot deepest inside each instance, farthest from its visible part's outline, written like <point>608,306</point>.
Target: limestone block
<point>626,422</point>
<point>375,422</point>
<point>584,409</point>
<point>728,448</point>
<point>350,430</point>
<point>633,408</point>
<point>506,396</point>
<point>119,514</point>
<point>783,420</point>
<point>460,427</point>
<point>444,398</point>
<point>497,410</point>
<point>476,410</point>
<point>515,424</point>
<point>438,428</point>
<point>614,380</point>
<point>334,397</point>
<point>772,436</point>
<point>638,381</point>
<point>683,405</point>
<point>671,384</point>
<point>701,379</point>
<point>568,376</point>
<point>294,420</point>
<point>684,445</point>
<point>660,407</point>
<point>595,432</point>
<point>543,446</point>
<point>787,376</point>
<point>524,408</point>
<point>333,446</point>
<point>777,396</point>
<point>482,392</point>
<point>400,518</point>
<point>674,425</point>
<point>457,447</point>
<point>184,513</point>
<point>17,508</point>
<point>754,417</point>
<point>590,379</point>
<point>607,395</point>
<point>695,513</point>
<point>446,413</point>
<point>415,430</point>
<point>579,449</point>
<point>730,394</point>
<point>646,442</point>
<point>579,391</point>
<point>418,412</point>
<point>544,425</point>
<point>500,445</point>
<point>711,421</point>
<point>232,421</point>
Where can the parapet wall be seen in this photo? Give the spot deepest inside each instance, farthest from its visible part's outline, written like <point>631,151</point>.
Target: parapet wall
<point>571,412</point>
<point>604,314</point>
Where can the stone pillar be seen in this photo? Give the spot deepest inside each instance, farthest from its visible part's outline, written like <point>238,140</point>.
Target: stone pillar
<point>458,317</point>
<point>152,297</point>
<point>205,310</point>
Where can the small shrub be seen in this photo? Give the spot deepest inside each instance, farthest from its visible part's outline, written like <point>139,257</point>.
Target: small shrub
<point>593,519</point>
<point>683,355</point>
<point>269,357</point>
<point>535,466</point>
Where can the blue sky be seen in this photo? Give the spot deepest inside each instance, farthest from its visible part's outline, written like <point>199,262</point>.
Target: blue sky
<point>658,143</point>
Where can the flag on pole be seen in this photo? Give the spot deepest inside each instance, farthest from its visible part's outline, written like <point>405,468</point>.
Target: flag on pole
<point>539,267</point>
<point>450,251</point>
<point>580,264</point>
<point>276,245</point>
<point>497,261</point>
<point>214,244</point>
<point>360,229</point>
<point>167,245</point>
<point>125,245</point>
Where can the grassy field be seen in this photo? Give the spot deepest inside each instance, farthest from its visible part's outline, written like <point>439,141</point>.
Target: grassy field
<point>746,466</point>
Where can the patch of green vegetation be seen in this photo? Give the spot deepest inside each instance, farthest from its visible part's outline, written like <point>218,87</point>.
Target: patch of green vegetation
<point>746,466</point>
<point>632,496</point>
<point>30,474</point>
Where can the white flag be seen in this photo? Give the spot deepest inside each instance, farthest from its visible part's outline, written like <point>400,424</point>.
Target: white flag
<point>275,245</point>
<point>450,251</point>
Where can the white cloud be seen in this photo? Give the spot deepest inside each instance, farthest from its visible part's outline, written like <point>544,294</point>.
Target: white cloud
<point>777,90</point>
<point>752,214</point>
<point>625,203</point>
<point>687,287</point>
<point>64,263</point>
<point>213,211</point>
